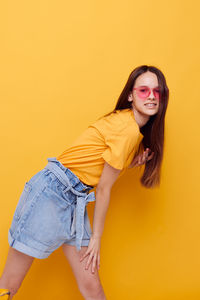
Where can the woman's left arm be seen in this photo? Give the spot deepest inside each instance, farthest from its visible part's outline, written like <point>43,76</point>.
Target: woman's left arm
<point>141,159</point>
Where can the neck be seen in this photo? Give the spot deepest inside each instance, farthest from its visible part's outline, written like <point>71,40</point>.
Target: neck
<point>140,118</point>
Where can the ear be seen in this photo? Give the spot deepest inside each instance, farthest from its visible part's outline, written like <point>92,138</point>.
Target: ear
<point>130,97</point>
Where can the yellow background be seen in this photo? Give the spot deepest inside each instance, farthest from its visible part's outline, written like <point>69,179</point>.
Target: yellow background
<point>63,64</point>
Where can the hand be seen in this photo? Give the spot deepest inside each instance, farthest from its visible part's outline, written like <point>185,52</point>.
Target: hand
<point>141,159</point>
<point>93,251</point>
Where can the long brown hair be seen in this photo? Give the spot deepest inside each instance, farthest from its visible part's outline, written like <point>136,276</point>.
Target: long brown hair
<point>153,130</point>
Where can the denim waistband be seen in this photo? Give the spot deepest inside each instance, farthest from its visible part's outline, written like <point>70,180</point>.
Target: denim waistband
<point>73,184</point>
<point>71,177</point>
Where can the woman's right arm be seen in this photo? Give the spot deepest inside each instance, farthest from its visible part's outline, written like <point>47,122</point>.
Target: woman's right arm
<point>103,189</point>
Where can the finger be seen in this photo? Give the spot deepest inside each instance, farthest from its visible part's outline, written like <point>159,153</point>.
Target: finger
<point>94,262</point>
<point>89,261</point>
<point>84,255</point>
<point>144,157</point>
<point>151,153</point>
<point>147,152</point>
<point>150,156</point>
<point>98,261</point>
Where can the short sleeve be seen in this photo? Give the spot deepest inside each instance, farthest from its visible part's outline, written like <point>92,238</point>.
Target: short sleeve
<point>119,146</point>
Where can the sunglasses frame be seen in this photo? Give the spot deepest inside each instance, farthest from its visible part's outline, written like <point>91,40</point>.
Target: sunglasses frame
<point>149,91</point>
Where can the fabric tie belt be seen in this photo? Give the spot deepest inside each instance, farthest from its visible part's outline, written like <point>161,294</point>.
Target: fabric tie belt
<point>78,215</point>
<point>82,199</point>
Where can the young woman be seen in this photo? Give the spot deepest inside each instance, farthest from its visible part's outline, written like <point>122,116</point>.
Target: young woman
<point>52,207</point>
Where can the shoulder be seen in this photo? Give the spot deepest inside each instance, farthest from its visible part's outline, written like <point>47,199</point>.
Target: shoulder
<point>118,122</point>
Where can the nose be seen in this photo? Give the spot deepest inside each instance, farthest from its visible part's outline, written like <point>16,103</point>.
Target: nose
<point>151,95</point>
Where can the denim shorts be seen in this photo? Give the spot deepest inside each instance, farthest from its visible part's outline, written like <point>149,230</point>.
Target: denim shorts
<point>51,211</point>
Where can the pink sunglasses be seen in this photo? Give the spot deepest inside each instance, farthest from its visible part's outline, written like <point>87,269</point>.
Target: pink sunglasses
<point>144,91</point>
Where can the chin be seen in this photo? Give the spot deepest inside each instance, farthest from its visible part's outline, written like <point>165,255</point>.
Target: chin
<point>150,113</point>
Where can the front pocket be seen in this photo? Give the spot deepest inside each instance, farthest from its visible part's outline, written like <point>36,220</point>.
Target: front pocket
<point>49,218</point>
<point>61,201</point>
<point>61,190</point>
<point>22,201</point>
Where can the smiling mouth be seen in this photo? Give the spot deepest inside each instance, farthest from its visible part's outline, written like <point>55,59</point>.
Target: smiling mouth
<point>150,104</point>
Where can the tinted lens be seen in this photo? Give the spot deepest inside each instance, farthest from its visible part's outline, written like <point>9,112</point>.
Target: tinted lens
<point>143,92</point>
<point>156,93</point>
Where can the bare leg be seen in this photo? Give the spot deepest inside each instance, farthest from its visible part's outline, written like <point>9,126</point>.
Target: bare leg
<point>89,283</point>
<point>16,268</point>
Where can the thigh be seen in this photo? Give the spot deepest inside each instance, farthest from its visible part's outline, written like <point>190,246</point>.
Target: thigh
<point>16,268</point>
<point>82,275</point>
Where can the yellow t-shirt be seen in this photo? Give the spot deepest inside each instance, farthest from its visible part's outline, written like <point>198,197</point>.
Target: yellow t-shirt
<point>113,138</point>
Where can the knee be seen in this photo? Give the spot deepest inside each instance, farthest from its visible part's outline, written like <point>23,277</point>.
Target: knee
<point>91,288</point>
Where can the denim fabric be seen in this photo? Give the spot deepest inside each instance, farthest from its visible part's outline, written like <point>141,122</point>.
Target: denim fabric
<point>51,211</point>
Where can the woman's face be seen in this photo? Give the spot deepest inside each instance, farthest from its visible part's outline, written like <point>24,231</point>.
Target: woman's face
<point>148,79</point>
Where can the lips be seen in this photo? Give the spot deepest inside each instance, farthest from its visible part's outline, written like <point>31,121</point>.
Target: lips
<point>151,103</point>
